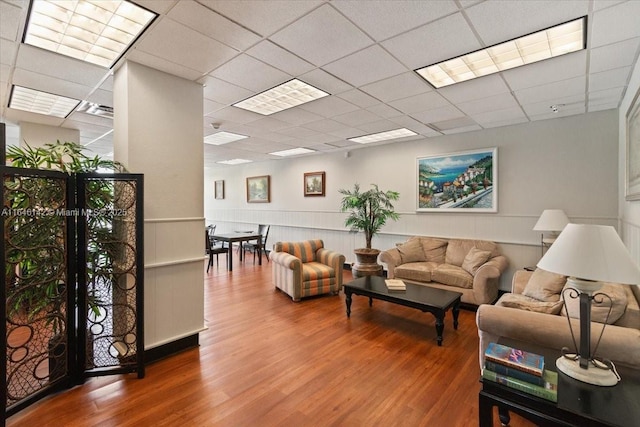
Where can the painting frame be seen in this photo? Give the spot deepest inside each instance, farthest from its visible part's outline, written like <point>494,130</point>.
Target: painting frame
<point>632,169</point>
<point>259,189</point>
<point>218,189</point>
<point>314,184</point>
<point>465,181</point>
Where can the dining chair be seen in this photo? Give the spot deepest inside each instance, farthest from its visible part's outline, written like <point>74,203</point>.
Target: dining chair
<point>263,230</point>
<point>213,247</point>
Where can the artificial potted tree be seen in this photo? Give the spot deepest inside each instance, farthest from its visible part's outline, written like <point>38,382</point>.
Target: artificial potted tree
<point>368,212</point>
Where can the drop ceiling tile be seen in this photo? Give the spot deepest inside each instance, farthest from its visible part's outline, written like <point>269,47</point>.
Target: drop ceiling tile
<point>422,102</point>
<point>507,122</point>
<point>346,132</point>
<point>101,97</point>
<point>492,103</point>
<point>10,19</point>
<point>223,92</point>
<point>299,132</point>
<point>615,24</point>
<point>249,73</point>
<point>277,57</point>
<point>615,55</point>
<point>504,115</point>
<point>325,125</point>
<point>397,87</point>
<point>209,106</point>
<point>261,16</point>
<point>329,106</point>
<point>356,118</point>
<point>296,116</point>
<point>275,137</point>
<point>268,124</point>
<point>382,19</point>
<point>325,81</point>
<point>571,111</point>
<point>475,89</point>
<point>544,107</point>
<point>237,115</point>
<point>164,65</point>
<point>433,43</point>
<point>606,96</point>
<point>383,110</point>
<point>338,36</point>
<point>547,71</point>
<point>438,114</point>
<point>322,138</point>
<point>359,98</point>
<point>380,126</point>
<point>617,77</point>
<point>602,107</point>
<point>156,6</point>
<point>551,91</point>
<point>499,21</point>
<point>8,52</point>
<point>603,4</point>
<point>50,84</point>
<point>366,66</point>
<point>462,129</point>
<point>414,125</point>
<point>213,25</point>
<point>192,49</point>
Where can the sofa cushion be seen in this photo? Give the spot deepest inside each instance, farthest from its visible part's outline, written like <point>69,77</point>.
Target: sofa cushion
<point>452,275</point>
<point>600,306</point>
<point>434,249</point>
<point>544,285</point>
<point>474,259</point>
<point>530,304</point>
<point>411,251</point>
<point>457,249</point>
<point>417,271</point>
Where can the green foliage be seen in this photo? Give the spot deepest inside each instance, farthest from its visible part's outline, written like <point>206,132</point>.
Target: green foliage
<point>368,210</point>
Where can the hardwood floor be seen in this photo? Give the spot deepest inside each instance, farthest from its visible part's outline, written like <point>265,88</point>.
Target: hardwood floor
<point>267,361</point>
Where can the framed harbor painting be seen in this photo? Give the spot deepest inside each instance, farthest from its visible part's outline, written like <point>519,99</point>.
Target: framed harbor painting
<point>258,189</point>
<point>458,182</point>
<point>633,149</point>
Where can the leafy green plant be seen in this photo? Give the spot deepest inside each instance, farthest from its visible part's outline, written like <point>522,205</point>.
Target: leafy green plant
<point>368,210</point>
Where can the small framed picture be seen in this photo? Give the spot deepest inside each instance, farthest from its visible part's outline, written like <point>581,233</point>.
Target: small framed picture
<point>219,189</point>
<point>314,184</point>
<point>258,189</point>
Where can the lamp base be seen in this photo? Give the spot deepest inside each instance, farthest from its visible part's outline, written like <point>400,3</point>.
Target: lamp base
<point>593,375</point>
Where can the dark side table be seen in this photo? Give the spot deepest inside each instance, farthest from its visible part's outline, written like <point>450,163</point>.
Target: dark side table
<point>579,404</point>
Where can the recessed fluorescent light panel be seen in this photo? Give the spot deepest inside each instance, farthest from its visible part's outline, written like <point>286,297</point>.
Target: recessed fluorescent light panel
<point>555,41</point>
<point>35,101</point>
<point>293,152</point>
<point>290,94</point>
<point>220,138</point>
<point>383,136</point>
<point>234,161</point>
<point>98,32</point>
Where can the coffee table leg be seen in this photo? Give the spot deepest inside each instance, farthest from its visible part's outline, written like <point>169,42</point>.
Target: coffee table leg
<point>455,310</point>
<point>440,327</point>
<point>348,301</point>
<point>370,302</point>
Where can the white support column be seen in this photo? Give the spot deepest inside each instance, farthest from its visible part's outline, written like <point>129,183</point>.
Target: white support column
<point>158,131</point>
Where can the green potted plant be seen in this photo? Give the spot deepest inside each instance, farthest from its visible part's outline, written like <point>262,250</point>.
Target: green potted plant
<point>368,212</point>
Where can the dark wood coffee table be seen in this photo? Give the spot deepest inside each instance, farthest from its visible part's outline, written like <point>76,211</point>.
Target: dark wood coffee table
<point>435,301</point>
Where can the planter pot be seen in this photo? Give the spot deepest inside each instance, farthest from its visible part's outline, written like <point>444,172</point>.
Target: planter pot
<point>366,263</point>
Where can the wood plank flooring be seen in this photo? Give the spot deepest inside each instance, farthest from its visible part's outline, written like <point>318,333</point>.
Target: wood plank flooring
<point>267,361</point>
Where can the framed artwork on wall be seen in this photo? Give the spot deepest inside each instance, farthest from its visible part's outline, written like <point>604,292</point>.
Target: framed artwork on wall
<point>633,149</point>
<point>458,182</point>
<point>219,189</point>
<point>314,183</point>
<point>259,189</point>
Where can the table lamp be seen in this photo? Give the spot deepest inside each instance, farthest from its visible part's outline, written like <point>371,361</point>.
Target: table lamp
<point>589,255</point>
<point>553,221</point>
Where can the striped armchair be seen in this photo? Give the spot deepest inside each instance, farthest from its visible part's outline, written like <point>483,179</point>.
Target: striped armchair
<point>303,269</point>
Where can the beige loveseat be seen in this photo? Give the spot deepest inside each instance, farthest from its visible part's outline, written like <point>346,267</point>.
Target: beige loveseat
<point>472,267</point>
<point>534,312</point>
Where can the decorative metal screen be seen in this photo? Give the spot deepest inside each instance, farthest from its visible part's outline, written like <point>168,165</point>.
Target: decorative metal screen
<point>39,283</point>
<point>72,249</point>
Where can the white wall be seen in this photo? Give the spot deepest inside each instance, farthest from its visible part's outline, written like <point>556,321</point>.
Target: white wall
<point>629,210</point>
<point>568,163</point>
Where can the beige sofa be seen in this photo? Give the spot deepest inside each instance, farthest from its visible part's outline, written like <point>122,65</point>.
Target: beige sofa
<point>472,267</point>
<point>534,312</point>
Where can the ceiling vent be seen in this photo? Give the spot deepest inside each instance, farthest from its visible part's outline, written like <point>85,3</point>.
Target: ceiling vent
<point>96,109</point>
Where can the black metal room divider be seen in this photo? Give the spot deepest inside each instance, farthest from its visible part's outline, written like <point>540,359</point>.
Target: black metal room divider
<point>73,281</point>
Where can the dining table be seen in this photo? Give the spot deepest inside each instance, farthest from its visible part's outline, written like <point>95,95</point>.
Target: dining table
<point>240,237</point>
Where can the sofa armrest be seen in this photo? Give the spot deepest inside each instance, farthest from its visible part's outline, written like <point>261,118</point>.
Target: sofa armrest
<point>486,279</point>
<point>334,260</point>
<point>620,344</point>
<point>520,280</point>
<point>391,257</point>
<point>286,260</point>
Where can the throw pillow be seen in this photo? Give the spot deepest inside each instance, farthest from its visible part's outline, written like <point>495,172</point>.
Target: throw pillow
<point>411,251</point>
<point>530,304</point>
<point>434,249</point>
<point>600,305</point>
<point>474,259</point>
<point>544,285</point>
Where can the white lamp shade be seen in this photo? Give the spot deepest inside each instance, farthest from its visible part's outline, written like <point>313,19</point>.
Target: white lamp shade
<point>591,252</point>
<point>551,220</point>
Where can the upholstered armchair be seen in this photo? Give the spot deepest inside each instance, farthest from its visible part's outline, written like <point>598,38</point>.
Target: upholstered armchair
<point>303,269</point>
